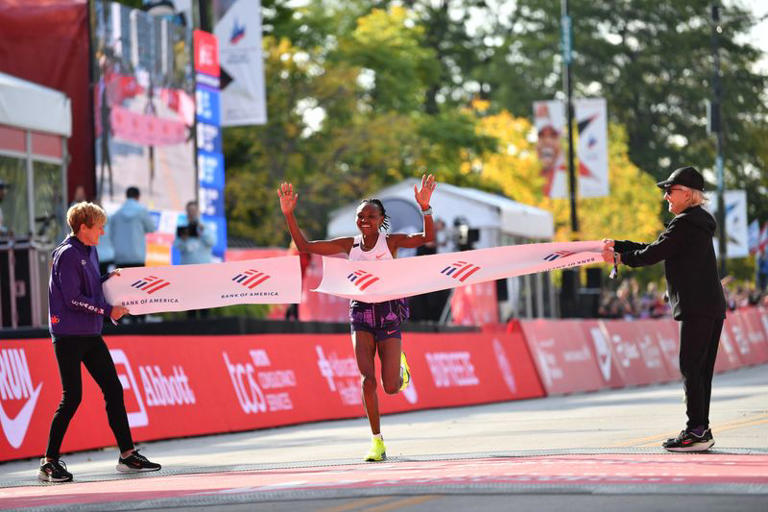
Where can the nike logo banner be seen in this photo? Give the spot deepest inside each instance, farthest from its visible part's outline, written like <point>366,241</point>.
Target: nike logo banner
<point>209,285</point>
<point>423,274</point>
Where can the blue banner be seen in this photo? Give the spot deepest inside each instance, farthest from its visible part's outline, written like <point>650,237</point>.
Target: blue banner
<point>219,224</point>
<point>211,202</point>
<point>208,138</point>
<point>210,169</point>
<point>208,105</point>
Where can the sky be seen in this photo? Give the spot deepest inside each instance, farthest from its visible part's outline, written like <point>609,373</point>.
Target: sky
<point>759,35</point>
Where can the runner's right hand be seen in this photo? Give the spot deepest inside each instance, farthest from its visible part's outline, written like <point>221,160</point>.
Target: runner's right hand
<point>287,198</point>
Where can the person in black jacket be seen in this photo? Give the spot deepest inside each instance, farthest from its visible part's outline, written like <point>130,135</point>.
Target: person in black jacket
<point>694,291</point>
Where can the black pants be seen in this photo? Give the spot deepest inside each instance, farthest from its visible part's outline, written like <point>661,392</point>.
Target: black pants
<point>94,354</point>
<point>699,339</point>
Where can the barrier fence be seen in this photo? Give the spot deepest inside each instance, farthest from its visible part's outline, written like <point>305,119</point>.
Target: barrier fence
<point>179,386</point>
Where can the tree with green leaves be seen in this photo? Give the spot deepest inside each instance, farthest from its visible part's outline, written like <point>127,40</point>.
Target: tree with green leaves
<point>345,117</point>
<point>652,60</point>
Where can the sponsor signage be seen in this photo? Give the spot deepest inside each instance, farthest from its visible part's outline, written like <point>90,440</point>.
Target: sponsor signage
<point>635,348</point>
<point>175,387</point>
<point>206,53</point>
<point>405,277</point>
<point>210,157</point>
<point>207,105</point>
<point>208,138</point>
<point>210,168</point>
<point>185,287</point>
<point>562,356</point>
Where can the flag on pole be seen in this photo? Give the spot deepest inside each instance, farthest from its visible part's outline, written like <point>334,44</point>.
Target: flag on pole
<point>763,238</point>
<point>753,236</point>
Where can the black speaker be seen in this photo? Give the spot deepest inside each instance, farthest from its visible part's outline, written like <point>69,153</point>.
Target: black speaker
<point>569,291</point>
<point>571,284</point>
<point>22,286</point>
<point>595,278</point>
<point>502,293</point>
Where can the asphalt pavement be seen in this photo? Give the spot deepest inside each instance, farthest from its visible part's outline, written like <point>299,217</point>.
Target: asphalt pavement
<point>593,451</point>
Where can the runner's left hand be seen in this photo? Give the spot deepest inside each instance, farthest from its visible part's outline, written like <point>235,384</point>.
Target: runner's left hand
<point>428,186</point>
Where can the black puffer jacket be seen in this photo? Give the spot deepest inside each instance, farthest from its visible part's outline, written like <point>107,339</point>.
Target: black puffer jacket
<point>690,266</point>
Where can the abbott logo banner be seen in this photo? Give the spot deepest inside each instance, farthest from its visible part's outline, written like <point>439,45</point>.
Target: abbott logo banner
<point>16,388</point>
<point>262,390</point>
<point>166,390</point>
<point>137,417</point>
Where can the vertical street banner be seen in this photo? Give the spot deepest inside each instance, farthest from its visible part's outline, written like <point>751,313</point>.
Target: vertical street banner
<point>753,236</point>
<point>735,222</point>
<point>591,150</point>
<point>210,155</point>
<point>238,29</point>
<point>143,100</point>
<point>549,120</point>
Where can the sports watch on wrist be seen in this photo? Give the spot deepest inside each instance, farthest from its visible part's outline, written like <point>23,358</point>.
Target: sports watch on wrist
<point>428,211</point>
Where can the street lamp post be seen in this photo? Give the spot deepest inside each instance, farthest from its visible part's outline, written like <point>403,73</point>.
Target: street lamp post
<point>568,89</point>
<point>715,126</point>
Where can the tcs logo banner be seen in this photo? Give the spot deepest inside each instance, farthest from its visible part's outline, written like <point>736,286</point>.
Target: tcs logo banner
<point>258,388</point>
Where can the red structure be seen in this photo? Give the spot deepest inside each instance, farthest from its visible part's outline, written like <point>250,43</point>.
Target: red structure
<point>46,42</point>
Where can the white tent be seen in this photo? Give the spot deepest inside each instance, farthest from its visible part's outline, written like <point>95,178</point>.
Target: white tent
<point>35,122</point>
<point>499,219</point>
<point>30,106</point>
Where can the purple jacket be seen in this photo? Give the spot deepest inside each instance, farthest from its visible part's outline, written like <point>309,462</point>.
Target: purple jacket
<point>76,302</point>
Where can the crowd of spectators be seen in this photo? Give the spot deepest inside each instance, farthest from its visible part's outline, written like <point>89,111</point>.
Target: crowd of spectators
<point>628,302</point>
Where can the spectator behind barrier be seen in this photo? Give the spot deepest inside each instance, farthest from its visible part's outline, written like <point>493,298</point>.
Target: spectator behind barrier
<point>194,244</point>
<point>193,241</point>
<point>129,225</point>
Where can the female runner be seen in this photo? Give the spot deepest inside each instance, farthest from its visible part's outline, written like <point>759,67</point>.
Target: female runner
<point>375,326</point>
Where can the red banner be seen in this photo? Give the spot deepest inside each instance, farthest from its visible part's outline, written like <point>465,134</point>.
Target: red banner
<point>179,386</point>
<point>48,43</point>
<point>667,333</point>
<point>601,351</point>
<point>562,355</point>
<point>475,304</point>
<point>182,386</point>
<point>206,53</point>
<point>727,353</point>
<point>735,346</point>
<point>146,129</point>
<point>756,323</point>
<point>320,307</point>
<point>750,345</point>
<point>636,349</point>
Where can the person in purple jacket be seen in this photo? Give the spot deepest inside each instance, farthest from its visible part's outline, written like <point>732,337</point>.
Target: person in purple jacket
<point>77,308</point>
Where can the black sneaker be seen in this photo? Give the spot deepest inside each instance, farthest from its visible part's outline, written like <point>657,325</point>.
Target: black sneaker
<point>688,441</point>
<point>53,471</point>
<point>136,463</point>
